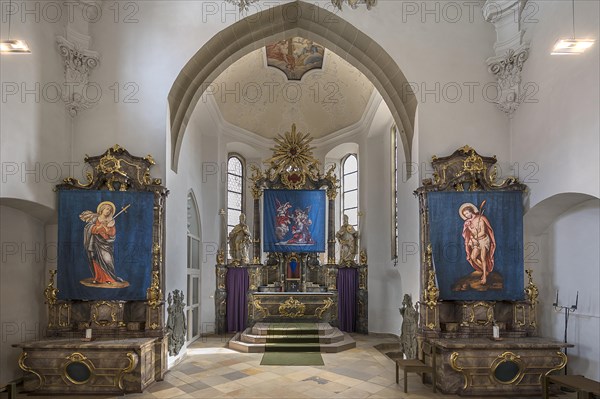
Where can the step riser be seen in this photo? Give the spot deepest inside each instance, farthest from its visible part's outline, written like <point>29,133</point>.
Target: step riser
<point>291,332</point>
<point>292,340</point>
<point>285,348</point>
<point>289,329</point>
<point>265,339</point>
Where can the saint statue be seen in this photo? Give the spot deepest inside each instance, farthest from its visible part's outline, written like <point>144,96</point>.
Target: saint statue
<point>410,320</point>
<point>347,236</point>
<point>176,324</point>
<point>239,242</point>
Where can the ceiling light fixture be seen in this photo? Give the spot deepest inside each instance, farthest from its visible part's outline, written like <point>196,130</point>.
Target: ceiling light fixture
<point>572,46</point>
<point>13,46</point>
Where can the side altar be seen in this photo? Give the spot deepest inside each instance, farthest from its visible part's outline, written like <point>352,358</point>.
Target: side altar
<point>292,233</point>
<point>478,325</point>
<point>106,331</point>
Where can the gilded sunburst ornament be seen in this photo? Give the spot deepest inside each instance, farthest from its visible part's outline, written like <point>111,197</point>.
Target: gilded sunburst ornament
<point>292,152</point>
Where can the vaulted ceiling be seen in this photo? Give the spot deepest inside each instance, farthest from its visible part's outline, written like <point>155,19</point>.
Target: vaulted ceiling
<point>261,99</point>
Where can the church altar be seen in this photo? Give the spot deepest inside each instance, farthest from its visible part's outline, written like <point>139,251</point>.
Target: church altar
<point>296,226</point>
<point>478,325</point>
<point>292,307</point>
<point>106,330</point>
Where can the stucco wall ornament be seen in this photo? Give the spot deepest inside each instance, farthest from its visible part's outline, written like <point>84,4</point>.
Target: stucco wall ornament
<point>244,5</point>
<point>354,3</point>
<point>511,51</point>
<point>78,65</point>
<point>507,70</point>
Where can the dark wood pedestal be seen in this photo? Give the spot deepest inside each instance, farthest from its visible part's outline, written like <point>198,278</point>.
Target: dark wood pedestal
<point>97,367</point>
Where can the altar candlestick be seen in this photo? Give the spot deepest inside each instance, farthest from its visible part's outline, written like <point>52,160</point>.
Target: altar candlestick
<point>556,302</point>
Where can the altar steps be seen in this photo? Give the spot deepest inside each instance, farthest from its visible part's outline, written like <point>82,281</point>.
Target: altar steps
<point>292,337</point>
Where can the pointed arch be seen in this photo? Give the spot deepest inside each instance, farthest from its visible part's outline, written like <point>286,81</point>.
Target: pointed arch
<point>278,23</point>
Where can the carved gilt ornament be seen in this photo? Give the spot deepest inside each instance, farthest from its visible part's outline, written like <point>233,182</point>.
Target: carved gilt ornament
<point>292,308</point>
<point>293,167</point>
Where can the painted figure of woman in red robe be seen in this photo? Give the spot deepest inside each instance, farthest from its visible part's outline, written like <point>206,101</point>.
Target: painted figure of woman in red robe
<point>480,243</point>
<point>99,237</point>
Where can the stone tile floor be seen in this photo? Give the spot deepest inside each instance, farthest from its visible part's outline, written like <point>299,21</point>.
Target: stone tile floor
<point>210,370</point>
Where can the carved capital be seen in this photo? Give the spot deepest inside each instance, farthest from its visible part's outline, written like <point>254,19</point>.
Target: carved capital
<point>510,50</point>
<point>78,63</point>
<point>507,70</point>
<point>354,3</point>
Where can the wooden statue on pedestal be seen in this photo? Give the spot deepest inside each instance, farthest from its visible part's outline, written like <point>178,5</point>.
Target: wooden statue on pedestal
<point>347,237</point>
<point>239,242</point>
<point>176,325</point>
<point>410,321</point>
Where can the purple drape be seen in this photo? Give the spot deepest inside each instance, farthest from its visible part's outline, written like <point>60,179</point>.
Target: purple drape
<point>347,283</point>
<point>237,289</point>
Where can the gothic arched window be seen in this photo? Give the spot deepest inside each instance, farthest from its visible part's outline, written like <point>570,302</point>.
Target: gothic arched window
<point>193,268</point>
<point>235,190</point>
<point>394,200</point>
<point>350,188</point>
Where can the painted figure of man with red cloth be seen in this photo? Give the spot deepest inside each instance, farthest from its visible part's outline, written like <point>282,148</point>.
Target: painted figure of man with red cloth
<point>480,243</point>
<point>99,236</point>
<point>282,219</point>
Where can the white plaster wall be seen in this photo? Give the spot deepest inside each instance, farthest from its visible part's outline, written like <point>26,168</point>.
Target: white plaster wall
<point>555,141</point>
<point>22,266</point>
<point>385,280</point>
<point>566,259</point>
<point>200,172</point>
<point>35,130</point>
<point>409,256</point>
<point>441,49</point>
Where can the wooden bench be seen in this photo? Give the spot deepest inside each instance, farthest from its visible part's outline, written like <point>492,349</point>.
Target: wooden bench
<point>414,366</point>
<point>11,388</point>
<point>584,387</point>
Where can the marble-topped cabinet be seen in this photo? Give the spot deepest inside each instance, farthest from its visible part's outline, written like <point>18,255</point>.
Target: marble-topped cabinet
<point>482,366</point>
<point>105,366</point>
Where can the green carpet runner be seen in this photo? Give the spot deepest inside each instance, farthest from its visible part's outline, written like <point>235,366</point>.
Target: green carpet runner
<point>292,344</point>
